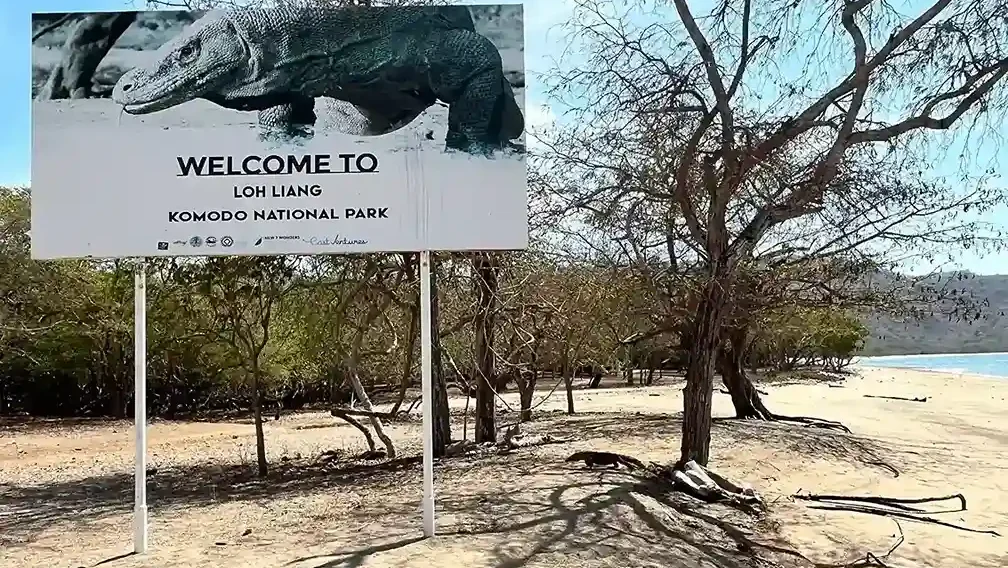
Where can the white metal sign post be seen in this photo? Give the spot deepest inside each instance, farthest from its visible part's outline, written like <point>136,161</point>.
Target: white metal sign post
<point>140,408</point>
<point>427,399</point>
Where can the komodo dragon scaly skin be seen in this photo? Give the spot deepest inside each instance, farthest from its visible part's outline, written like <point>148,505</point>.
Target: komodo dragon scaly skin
<point>390,63</point>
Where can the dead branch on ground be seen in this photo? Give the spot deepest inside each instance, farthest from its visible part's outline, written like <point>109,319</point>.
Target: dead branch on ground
<point>896,502</point>
<point>908,399</point>
<point>891,507</point>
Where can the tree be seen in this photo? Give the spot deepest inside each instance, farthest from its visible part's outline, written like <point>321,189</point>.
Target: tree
<point>484,326</point>
<point>87,44</point>
<point>243,294</point>
<point>731,138</point>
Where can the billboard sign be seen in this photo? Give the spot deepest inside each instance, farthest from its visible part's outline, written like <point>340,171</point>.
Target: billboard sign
<point>279,131</point>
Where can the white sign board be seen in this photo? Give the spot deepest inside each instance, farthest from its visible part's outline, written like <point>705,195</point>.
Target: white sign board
<point>282,131</point>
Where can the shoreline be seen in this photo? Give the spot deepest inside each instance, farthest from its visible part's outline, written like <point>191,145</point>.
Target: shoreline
<point>932,355</point>
<point>987,365</point>
<point>950,372</point>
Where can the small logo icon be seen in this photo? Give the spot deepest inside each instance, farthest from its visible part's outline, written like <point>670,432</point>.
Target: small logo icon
<point>258,241</point>
<point>162,245</point>
<point>196,242</point>
<point>180,243</point>
<point>226,241</point>
<point>211,241</point>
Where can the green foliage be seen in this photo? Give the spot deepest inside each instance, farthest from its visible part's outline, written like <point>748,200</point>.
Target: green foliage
<point>302,323</point>
<point>792,336</point>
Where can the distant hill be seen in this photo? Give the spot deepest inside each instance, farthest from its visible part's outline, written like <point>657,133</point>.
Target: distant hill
<point>938,333</point>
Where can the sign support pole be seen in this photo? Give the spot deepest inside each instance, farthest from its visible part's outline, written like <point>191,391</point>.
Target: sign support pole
<point>140,407</point>
<point>427,399</point>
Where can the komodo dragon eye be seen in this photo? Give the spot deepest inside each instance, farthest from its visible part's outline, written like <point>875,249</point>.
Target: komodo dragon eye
<point>189,51</point>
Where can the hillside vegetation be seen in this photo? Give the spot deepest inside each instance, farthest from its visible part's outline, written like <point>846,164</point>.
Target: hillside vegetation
<point>938,330</point>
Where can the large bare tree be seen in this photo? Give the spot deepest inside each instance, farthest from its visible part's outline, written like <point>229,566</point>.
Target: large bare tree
<point>724,131</point>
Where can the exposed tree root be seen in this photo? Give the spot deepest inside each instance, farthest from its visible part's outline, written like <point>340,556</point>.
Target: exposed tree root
<point>908,399</point>
<point>808,421</point>
<point>891,507</point>
<point>811,422</point>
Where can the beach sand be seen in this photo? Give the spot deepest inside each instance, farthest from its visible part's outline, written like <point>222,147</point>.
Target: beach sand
<point>66,489</point>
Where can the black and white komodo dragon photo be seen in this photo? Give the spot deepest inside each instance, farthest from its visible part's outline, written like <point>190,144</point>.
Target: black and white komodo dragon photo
<point>391,64</point>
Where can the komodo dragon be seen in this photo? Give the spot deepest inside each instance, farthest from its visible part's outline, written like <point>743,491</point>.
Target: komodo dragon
<point>592,459</point>
<point>390,63</point>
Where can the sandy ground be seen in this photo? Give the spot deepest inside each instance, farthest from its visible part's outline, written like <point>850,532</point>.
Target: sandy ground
<point>66,490</point>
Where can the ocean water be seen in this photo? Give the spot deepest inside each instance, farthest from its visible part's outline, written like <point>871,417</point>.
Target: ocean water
<point>993,364</point>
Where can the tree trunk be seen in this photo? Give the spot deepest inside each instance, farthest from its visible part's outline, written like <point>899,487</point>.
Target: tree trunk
<point>406,380</point>
<point>85,47</point>
<point>439,387</point>
<point>376,422</point>
<point>526,390</point>
<point>257,417</point>
<point>699,392</point>
<point>568,378</point>
<point>486,278</point>
<point>356,424</point>
<point>412,333</point>
<point>745,397</point>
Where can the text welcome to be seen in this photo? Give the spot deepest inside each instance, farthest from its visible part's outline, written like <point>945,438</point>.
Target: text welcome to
<point>275,164</point>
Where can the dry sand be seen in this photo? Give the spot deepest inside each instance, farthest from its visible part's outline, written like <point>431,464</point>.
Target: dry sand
<point>66,490</point>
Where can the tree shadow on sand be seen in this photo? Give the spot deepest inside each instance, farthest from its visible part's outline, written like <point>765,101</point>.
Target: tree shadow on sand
<point>613,520</point>
<point>27,510</point>
<point>730,434</point>
<point>520,509</point>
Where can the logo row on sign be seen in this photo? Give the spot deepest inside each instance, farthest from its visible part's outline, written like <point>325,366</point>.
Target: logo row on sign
<point>198,241</point>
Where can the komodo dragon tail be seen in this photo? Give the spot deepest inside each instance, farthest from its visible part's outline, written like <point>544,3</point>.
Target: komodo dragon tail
<point>512,120</point>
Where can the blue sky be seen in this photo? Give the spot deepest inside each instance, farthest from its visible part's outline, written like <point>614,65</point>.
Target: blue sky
<point>541,16</point>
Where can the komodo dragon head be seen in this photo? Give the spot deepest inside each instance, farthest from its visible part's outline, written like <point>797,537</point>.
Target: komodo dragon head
<point>207,60</point>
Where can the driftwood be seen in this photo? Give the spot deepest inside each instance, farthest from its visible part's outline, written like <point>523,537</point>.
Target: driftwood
<point>908,399</point>
<point>690,478</point>
<point>707,485</point>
